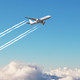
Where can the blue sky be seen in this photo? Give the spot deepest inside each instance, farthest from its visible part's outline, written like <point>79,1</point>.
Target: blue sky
<point>56,44</point>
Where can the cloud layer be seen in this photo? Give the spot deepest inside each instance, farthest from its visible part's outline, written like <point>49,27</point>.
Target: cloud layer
<point>23,71</point>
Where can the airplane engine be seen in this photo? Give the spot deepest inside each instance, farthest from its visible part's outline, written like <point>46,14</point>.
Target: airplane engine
<point>43,23</point>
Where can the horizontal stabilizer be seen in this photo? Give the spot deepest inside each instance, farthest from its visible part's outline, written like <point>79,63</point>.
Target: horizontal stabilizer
<point>27,23</point>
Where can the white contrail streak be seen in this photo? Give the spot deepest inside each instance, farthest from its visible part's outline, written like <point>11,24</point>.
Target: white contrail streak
<point>18,38</point>
<point>12,28</point>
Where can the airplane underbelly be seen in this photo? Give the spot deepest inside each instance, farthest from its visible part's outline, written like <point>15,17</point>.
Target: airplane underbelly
<point>39,21</point>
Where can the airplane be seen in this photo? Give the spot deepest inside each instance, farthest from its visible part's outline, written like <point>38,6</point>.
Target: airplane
<point>41,20</point>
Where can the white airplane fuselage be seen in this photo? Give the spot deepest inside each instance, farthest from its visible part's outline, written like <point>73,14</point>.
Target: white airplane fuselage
<point>41,20</point>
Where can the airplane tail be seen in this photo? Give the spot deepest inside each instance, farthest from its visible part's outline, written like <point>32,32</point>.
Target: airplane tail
<point>30,21</point>
<point>27,23</point>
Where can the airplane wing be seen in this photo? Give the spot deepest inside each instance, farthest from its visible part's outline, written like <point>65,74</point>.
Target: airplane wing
<point>30,18</point>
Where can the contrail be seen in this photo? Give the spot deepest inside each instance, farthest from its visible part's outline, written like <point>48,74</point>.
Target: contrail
<point>12,28</point>
<point>18,38</point>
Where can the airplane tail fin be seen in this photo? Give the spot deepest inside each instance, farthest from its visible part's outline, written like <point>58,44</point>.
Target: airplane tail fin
<point>30,21</point>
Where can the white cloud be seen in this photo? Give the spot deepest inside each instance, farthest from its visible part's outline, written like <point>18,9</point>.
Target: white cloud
<point>66,73</point>
<point>23,71</point>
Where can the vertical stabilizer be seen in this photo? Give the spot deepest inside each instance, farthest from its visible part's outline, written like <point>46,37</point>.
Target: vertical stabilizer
<point>30,21</point>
